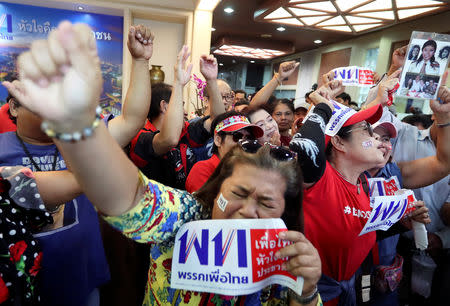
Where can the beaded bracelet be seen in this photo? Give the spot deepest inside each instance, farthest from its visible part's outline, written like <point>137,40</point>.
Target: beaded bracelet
<point>77,135</point>
<point>304,299</point>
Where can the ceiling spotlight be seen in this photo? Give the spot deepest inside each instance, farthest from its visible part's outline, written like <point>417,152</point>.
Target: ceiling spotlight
<point>228,10</point>
<point>252,62</point>
<point>317,41</point>
<point>80,8</point>
<point>213,29</point>
<point>220,64</point>
<point>281,29</point>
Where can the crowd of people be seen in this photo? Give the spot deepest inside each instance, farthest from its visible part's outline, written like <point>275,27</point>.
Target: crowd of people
<point>90,205</point>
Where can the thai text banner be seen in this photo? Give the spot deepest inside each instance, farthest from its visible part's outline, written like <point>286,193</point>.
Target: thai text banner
<point>230,257</point>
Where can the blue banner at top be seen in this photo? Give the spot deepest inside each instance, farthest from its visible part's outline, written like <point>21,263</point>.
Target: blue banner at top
<point>20,25</point>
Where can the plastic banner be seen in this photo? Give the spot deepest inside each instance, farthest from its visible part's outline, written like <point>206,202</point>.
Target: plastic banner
<point>354,76</point>
<point>425,62</point>
<point>230,257</point>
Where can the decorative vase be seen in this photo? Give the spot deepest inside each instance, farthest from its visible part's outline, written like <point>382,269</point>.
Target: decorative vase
<point>156,74</point>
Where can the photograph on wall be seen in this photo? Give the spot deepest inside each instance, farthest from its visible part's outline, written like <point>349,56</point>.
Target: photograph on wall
<point>20,25</point>
<point>425,63</point>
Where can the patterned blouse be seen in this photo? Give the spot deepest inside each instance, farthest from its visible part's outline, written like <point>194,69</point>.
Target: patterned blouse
<point>156,219</point>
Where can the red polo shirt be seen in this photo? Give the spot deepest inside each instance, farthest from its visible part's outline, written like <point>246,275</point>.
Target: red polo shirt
<point>201,172</point>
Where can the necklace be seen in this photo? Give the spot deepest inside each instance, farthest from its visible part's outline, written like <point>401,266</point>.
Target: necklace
<point>55,155</point>
<point>358,182</point>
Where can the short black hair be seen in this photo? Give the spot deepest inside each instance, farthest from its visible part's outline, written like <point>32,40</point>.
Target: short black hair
<point>242,102</point>
<point>240,91</point>
<point>286,102</point>
<point>345,96</point>
<point>423,119</point>
<point>308,93</point>
<point>160,91</point>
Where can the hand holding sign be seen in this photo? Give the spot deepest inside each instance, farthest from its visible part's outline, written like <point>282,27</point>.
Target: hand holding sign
<point>387,87</point>
<point>420,214</point>
<point>398,59</point>
<point>303,260</point>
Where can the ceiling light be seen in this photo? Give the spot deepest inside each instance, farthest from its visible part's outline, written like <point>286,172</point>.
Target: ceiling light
<point>413,12</point>
<point>281,29</point>
<point>252,62</point>
<point>80,8</point>
<point>213,29</point>
<point>266,35</point>
<point>319,6</point>
<point>240,47</point>
<point>415,3</point>
<point>354,16</point>
<point>317,41</point>
<point>207,5</point>
<point>220,64</point>
<point>228,10</point>
<point>279,13</point>
<point>363,27</point>
<point>293,21</point>
<point>314,20</point>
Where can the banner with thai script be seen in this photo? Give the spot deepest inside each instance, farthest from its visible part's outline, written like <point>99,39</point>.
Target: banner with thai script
<point>387,210</point>
<point>354,76</point>
<point>230,257</point>
<point>20,25</point>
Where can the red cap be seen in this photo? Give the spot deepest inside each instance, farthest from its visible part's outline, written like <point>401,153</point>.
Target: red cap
<point>389,127</point>
<point>371,115</point>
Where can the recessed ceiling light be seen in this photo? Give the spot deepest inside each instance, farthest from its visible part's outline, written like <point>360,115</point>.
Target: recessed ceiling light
<point>317,41</point>
<point>228,10</point>
<point>220,64</point>
<point>266,35</point>
<point>213,29</point>
<point>252,62</point>
<point>80,8</point>
<point>281,29</point>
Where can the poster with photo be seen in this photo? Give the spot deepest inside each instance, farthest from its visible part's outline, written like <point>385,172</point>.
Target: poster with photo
<point>425,63</point>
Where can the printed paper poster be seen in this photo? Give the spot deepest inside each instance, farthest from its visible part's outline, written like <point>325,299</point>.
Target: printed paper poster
<point>230,257</point>
<point>425,63</point>
<point>354,76</point>
<point>387,210</point>
<point>20,25</point>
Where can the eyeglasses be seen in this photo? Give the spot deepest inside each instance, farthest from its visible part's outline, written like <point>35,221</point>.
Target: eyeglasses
<point>228,96</point>
<point>366,127</point>
<point>238,136</point>
<point>279,153</point>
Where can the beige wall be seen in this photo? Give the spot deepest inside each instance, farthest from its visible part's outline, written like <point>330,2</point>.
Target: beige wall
<point>169,38</point>
<point>381,39</point>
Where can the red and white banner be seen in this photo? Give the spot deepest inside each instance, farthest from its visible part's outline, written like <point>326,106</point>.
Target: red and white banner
<point>230,257</point>
<point>354,76</point>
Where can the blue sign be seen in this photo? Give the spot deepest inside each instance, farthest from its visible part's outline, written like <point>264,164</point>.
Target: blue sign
<point>20,25</point>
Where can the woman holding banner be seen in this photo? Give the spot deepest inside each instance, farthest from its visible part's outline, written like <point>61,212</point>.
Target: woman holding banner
<point>65,70</point>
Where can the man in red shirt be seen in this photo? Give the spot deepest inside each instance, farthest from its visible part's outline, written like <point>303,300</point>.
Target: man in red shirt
<point>227,128</point>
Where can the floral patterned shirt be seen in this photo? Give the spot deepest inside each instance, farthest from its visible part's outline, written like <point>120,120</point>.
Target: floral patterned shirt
<point>156,219</point>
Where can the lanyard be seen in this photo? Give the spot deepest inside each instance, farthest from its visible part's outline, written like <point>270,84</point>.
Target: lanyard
<point>55,155</point>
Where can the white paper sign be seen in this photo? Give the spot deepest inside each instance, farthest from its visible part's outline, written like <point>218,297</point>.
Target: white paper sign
<point>354,76</point>
<point>230,257</point>
<point>387,210</point>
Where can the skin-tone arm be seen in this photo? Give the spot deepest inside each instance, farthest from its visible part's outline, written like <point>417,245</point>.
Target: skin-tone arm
<point>56,187</point>
<point>209,70</point>
<point>426,171</point>
<point>445,213</point>
<point>261,97</point>
<point>383,88</point>
<point>398,59</point>
<point>135,107</point>
<point>65,64</point>
<point>173,121</point>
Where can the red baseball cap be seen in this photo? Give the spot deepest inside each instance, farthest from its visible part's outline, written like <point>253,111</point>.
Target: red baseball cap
<point>236,123</point>
<point>389,127</point>
<point>371,115</point>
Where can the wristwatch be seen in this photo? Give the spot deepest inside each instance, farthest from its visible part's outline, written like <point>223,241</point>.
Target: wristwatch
<point>304,299</point>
